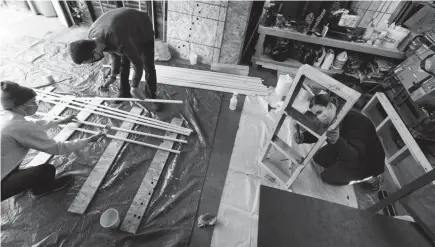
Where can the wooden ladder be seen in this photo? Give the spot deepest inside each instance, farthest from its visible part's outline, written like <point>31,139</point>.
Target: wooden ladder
<point>317,80</point>
<point>394,155</point>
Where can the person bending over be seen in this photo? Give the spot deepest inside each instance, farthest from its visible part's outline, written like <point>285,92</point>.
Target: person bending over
<point>19,135</point>
<point>353,151</point>
<point>128,36</point>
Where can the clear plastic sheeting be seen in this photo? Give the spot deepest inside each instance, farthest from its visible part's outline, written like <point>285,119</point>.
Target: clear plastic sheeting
<point>170,216</point>
<point>237,219</point>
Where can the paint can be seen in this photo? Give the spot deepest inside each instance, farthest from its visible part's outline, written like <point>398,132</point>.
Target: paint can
<point>193,59</point>
<point>110,219</point>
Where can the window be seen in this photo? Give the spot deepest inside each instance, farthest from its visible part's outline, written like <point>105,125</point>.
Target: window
<point>377,10</point>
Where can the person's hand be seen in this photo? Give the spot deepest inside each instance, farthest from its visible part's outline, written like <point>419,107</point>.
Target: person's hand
<point>298,137</point>
<point>137,93</point>
<point>105,86</point>
<point>68,119</point>
<point>95,138</point>
<point>333,135</point>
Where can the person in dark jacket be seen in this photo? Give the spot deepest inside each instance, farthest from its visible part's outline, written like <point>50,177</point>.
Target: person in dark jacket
<point>128,36</point>
<point>353,151</point>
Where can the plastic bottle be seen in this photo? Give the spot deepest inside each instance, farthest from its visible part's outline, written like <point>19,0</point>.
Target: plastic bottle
<point>369,31</point>
<point>340,60</point>
<point>233,102</point>
<point>325,30</point>
<point>329,58</point>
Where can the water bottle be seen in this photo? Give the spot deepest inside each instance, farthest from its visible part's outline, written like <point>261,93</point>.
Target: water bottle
<point>233,102</point>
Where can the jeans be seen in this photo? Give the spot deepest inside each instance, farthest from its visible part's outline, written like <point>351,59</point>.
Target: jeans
<point>38,179</point>
<point>149,68</point>
<point>336,172</point>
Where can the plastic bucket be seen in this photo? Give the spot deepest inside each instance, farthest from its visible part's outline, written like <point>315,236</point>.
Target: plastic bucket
<point>394,37</point>
<point>110,219</point>
<point>283,85</point>
<point>193,59</point>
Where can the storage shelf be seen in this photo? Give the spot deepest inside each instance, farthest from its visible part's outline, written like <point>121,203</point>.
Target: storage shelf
<point>341,44</point>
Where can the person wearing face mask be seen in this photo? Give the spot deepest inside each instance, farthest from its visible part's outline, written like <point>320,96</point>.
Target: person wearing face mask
<point>353,151</point>
<point>19,135</point>
<point>127,35</point>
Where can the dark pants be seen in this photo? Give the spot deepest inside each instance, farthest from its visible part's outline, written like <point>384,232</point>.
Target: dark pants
<point>337,173</point>
<point>150,72</point>
<point>37,179</point>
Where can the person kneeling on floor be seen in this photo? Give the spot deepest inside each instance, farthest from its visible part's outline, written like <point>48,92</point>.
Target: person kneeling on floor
<point>19,135</point>
<point>353,152</point>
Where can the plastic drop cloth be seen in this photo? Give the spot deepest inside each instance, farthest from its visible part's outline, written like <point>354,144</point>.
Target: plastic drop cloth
<point>170,216</point>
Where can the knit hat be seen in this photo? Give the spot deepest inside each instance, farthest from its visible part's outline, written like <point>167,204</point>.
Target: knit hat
<point>13,95</point>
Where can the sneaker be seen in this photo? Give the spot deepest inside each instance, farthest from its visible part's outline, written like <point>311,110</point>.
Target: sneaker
<point>58,184</point>
<point>373,185</point>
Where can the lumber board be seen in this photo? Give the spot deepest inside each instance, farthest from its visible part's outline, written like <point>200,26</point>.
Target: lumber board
<point>64,134</point>
<point>212,88</point>
<point>90,187</point>
<point>221,84</point>
<point>211,74</point>
<point>230,68</point>
<point>143,196</point>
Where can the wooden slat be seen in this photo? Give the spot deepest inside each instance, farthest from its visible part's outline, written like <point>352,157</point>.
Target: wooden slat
<point>90,187</point>
<point>64,134</point>
<point>212,88</point>
<point>372,102</point>
<point>392,174</point>
<point>305,122</point>
<point>239,86</point>
<point>360,47</point>
<point>383,124</point>
<point>276,171</point>
<point>143,196</point>
<point>399,155</point>
<point>230,68</point>
<point>285,149</point>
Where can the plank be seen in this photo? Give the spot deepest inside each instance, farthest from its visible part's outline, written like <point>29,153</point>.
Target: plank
<point>230,68</point>
<point>383,124</point>
<point>393,175</point>
<point>248,87</point>
<point>212,88</point>
<point>90,187</point>
<point>64,134</point>
<point>143,196</point>
<point>398,156</point>
<point>212,74</point>
<point>360,47</point>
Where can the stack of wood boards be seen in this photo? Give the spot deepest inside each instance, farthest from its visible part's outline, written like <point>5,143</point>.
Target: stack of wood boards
<point>230,68</point>
<point>209,80</point>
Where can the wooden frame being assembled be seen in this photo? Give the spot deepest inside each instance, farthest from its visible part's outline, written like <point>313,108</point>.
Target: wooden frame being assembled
<point>90,187</point>
<point>393,154</point>
<point>326,82</point>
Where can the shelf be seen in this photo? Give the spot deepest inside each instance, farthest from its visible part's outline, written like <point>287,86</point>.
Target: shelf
<point>288,66</point>
<point>386,121</point>
<point>398,156</point>
<point>341,44</point>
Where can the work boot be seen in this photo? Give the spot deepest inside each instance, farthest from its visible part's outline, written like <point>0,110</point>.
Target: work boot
<point>373,184</point>
<point>58,184</point>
